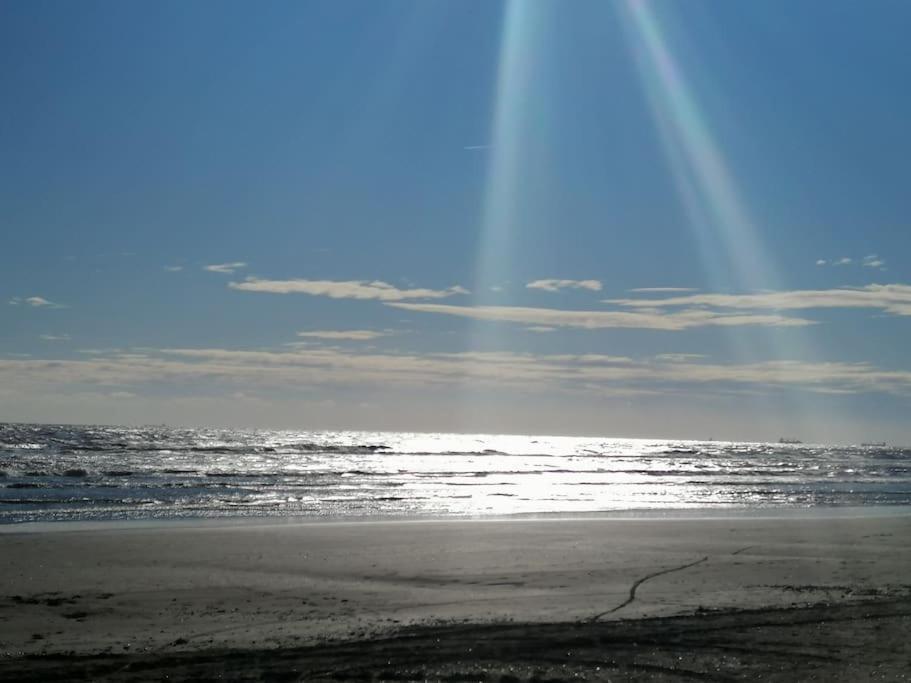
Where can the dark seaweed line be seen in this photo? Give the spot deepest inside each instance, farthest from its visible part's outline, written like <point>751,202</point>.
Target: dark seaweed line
<point>639,582</point>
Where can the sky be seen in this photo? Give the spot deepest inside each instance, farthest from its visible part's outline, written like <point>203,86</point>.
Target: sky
<point>636,218</point>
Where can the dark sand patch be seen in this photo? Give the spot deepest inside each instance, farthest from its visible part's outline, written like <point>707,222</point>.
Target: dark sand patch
<point>857,641</point>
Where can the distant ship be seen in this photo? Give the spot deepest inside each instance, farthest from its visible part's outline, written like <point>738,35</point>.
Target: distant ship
<point>874,444</point>
<point>787,440</point>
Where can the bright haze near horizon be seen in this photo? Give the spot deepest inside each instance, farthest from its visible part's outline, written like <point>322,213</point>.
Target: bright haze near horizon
<point>628,219</point>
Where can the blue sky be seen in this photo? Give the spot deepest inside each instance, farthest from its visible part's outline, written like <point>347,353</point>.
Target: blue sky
<point>601,218</point>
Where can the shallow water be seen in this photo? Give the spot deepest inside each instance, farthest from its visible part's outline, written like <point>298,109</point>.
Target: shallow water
<point>56,472</point>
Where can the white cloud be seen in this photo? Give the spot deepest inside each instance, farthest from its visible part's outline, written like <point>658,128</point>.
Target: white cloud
<point>349,289</point>
<point>869,261</point>
<point>656,290</point>
<point>34,301</point>
<point>174,269</point>
<point>254,370</point>
<point>226,268</point>
<point>475,148</point>
<point>557,285</point>
<point>893,298</point>
<point>39,301</point>
<point>351,335</point>
<point>55,337</point>
<point>541,328</point>
<point>873,261</point>
<point>678,357</point>
<point>593,320</point>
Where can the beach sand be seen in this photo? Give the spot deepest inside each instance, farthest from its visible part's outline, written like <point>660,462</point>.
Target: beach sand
<point>600,598</point>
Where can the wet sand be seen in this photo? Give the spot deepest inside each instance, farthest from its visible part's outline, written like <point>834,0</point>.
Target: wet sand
<point>592,599</point>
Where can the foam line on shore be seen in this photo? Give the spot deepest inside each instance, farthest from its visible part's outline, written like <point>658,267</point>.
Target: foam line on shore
<point>865,512</point>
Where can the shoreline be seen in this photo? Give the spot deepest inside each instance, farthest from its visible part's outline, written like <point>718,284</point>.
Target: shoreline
<point>669,514</point>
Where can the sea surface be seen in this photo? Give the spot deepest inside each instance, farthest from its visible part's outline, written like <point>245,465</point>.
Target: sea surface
<point>57,472</point>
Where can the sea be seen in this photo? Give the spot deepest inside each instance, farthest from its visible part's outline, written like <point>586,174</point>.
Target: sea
<point>81,473</point>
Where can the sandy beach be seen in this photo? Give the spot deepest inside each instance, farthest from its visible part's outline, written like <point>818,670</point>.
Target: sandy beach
<point>596,598</point>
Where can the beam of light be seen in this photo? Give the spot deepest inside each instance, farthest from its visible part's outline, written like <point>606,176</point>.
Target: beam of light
<point>509,132</point>
<point>706,184</point>
<point>500,220</point>
<point>732,250</point>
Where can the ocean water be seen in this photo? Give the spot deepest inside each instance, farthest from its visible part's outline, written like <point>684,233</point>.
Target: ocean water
<point>56,472</point>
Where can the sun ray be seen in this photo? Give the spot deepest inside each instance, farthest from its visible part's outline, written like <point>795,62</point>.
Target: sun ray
<point>499,235</point>
<point>733,251</point>
<point>701,172</point>
<point>500,218</point>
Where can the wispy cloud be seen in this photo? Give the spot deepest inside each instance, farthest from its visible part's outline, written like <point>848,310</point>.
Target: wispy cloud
<point>177,269</point>
<point>678,357</point>
<point>346,289</point>
<point>34,301</point>
<point>657,290</point>
<point>55,337</point>
<point>592,320</point>
<point>475,148</point>
<point>869,261</point>
<point>873,261</point>
<point>557,285</point>
<point>573,373</point>
<point>226,268</point>
<point>349,335</point>
<point>892,298</point>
